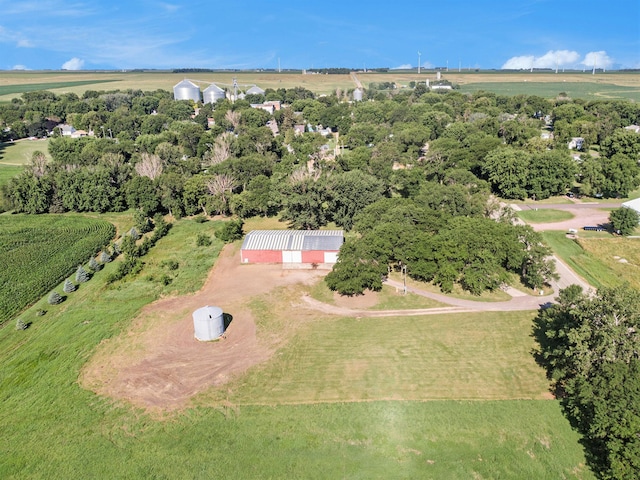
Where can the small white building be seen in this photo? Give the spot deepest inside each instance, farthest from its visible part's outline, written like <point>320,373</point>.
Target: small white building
<point>633,204</point>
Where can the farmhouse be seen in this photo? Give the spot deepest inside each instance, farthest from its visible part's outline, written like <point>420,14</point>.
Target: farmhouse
<point>292,247</point>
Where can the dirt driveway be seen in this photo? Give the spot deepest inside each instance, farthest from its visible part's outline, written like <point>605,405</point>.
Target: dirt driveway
<point>157,363</point>
<point>584,214</point>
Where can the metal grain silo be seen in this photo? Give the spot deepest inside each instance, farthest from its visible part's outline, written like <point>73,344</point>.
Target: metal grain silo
<point>208,323</point>
<point>186,90</point>
<point>357,95</point>
<point>213,93</point>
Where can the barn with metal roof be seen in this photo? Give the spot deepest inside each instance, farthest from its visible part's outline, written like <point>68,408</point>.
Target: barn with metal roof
<point>292,247</point>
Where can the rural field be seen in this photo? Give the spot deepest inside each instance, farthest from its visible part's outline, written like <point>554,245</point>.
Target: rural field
<point>549,85</point>
<point>328,397</point>
<point>113,376</point>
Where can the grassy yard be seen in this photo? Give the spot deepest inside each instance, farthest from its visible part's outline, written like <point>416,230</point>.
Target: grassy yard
<point>7,172</point>
<point>20,152</point>
<point>546,215</point>
<point>387,299</point>
<point>402,358</point>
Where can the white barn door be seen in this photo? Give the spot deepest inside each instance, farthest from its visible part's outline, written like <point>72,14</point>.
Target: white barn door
<point>291,256</point>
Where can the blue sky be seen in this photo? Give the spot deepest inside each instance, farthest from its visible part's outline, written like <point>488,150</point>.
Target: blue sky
<point>117,34</point>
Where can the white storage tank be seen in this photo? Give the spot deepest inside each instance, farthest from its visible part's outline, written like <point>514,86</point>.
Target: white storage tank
<point>357,95</point>
<point>208,323</point>
<point>213,93</point>
<point>186,90</point>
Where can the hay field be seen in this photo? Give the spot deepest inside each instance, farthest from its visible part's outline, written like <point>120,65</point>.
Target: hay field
<point>601,85</point>
<point>149,81</point>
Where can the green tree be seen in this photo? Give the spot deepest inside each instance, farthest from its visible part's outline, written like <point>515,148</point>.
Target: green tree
<point>68,287</point>
<point>507,170</point>
<point>590,347</point>
<point>624,220</point>
<point>82,275</point>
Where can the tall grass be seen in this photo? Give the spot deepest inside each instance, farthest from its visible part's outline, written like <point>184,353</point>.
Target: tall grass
<point>588,266</point>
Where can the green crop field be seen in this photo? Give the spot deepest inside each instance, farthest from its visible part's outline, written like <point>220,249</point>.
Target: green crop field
<point>31,87</point>
<point>588,91</point>
<point>52,428</point>
<point>38,252</point>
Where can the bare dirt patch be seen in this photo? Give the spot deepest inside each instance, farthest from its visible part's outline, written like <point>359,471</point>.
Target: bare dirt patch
<point>366,300</point>
<point>158,364</point>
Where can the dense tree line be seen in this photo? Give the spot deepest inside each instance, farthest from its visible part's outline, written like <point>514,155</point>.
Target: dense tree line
<point>444,152</point>
<point>590,347</point>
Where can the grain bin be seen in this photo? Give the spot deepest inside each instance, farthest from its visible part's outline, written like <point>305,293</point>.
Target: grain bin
<point>208,323</point>
<point>357,95</point>
<point>186,90</point>
<point>213,93</point>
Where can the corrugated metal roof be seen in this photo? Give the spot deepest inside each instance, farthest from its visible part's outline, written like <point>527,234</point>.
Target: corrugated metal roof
<point>330,240</point>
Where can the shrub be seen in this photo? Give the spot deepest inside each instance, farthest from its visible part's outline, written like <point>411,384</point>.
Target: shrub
<point>142,222</point>
<point>170,264</point>
<point>54,298</point>
<point>20,325</point>
<point>93,264</point>
<point>82,275</point>
<point>200,219</point>
<point>133,233</point>
<point>105,257</point>
<point>41,313</point>
<point>68,286</point>
<point>231,231</point>
<point>203,240</point>
<point>165,279</point>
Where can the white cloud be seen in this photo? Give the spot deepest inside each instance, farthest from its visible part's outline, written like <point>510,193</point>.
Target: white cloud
<point>73,64</point>
<point>19,67</point>
<point>406,66</point>
<point>599,59</point>
<point>24,43</point>
<point>551,59</point>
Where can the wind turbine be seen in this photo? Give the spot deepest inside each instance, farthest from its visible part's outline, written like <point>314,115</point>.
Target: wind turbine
<point>419,62</point>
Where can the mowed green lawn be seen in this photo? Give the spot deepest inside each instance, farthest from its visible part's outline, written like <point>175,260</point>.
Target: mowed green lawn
<point>544,215</point>
<point>52,428</point>
<point>477,356</point>
<point>21,151</point>
<point>14,155</point>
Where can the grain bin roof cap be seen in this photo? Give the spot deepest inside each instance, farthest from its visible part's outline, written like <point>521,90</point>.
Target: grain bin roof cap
<point>186,83</point>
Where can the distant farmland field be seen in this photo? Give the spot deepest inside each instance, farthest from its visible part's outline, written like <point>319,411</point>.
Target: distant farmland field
<point>589,91</point>
<point>21,88</point>
<point>545,84</point>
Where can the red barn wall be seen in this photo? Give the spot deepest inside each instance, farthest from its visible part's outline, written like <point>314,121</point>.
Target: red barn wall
<point>313,256</point>
<point>261,256</point>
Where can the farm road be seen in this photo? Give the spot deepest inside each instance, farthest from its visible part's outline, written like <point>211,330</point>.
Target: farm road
<point>583,214</point>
